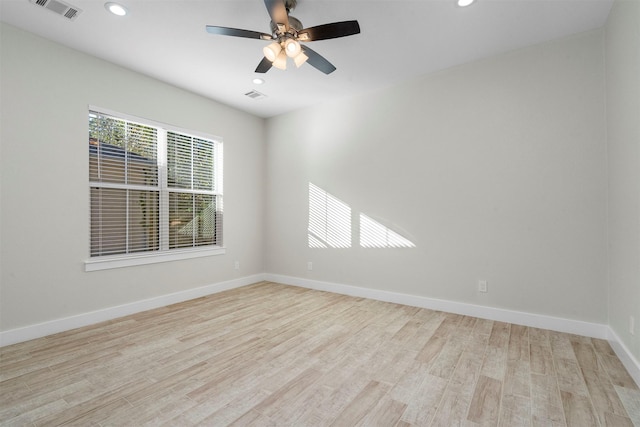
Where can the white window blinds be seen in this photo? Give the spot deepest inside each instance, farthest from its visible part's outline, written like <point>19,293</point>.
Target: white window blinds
<point>194,215</point>
<point>140,203</point>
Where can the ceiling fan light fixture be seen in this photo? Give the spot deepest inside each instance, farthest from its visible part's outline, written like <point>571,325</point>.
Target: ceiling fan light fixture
<point>465,3</point>
<point>287,34</point>
<point>300,59</point>
<point>292,48</point>
<point>281,61</point>
<point>272,51</point>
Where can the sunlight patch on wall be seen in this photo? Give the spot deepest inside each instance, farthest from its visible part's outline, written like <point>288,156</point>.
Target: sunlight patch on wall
<point>329,220</point>
<point>330,225</point>
<point>375,235</point>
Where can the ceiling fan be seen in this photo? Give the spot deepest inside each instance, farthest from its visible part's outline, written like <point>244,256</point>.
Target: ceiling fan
<point>287,33</point>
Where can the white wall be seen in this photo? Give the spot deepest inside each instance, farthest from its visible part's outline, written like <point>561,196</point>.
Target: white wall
<point>623,132</point>
<point>44,227</point>
<point>496,170</point>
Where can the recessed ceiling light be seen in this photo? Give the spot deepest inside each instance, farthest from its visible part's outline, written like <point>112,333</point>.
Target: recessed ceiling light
<point>258,81</point>
<point>115,8</point>
<point>464,3</point>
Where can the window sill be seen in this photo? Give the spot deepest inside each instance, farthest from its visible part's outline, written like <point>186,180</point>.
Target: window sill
<point>119,261</point>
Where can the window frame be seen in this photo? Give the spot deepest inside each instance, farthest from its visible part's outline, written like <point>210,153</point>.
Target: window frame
<point>164,253</point>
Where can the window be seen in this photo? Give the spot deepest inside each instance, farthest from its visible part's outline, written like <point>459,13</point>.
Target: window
<point>155,191</point>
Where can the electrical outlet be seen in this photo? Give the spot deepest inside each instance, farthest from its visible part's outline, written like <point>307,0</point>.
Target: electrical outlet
<point>482,286</point>
<point>632,325</point>
<point>309,265</point>
<point>236,265</point>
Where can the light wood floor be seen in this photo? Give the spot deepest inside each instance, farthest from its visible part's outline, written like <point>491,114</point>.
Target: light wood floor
<point>274,355</point>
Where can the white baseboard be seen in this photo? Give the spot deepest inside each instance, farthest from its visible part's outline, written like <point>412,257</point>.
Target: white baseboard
<point>594,330</point>
<point>39,330</point>
<point>630,363</point>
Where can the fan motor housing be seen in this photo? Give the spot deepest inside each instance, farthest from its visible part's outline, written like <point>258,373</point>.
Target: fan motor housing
<point>294,23</point>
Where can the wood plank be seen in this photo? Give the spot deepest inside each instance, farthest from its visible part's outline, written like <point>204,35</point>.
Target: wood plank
<point>517,379</point>
<point>578,410</point>
<point>561,347</point>
<point>395,368</point>
<point>431,349</point>
<point>406,332</point>
<point>631,401</point>
<point>539,336</point>
<point>303,410</point>
<point>570,377</point>
<point>229,413</point>
<point>452,410</point>
<point>518,343</point>
<point>287,392</point>
<point>603,395</point>
<point>337,400</point>
<point>617,372</point>
<point>466,374</point>
<point>406,387</point>
<point>586,356</point>
<point>386,413</point>
<point>602,346</point>
<point>477,343</point>
<point>424,401</point>
<point>515,411</point>
<point>541,359</point>
<point>361,404</point>
<point>546,402</point>
<point>614,420</point>
<point>425,332</point>
<point>446,362</point>
<point>483,327</point>
<point>448,326</point>
<point>252,418</point>
<point>485,403</point>
<point>500,334</point>
<point>494,364</point>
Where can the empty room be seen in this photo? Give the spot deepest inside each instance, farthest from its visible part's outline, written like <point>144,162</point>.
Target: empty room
<point>309,213</point>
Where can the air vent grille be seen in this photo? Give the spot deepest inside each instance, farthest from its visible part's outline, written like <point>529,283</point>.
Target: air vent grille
<point>59,7</point>
<point>254,94</point>
<point>71,13</point>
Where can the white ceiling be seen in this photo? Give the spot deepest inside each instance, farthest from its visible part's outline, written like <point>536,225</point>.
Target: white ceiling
<point>399,39</point>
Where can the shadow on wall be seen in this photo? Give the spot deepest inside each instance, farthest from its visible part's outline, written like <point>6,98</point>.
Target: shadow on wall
<point>330,225</point>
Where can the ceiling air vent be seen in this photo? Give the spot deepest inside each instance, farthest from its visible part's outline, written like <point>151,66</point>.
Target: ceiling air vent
<point>59,7</point>
<point>254,94</point>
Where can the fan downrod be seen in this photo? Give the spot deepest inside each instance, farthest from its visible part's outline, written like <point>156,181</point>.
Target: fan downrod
<point>290,5</point>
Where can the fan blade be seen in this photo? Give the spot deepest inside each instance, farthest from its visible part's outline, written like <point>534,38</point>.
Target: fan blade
<point>235,32</point>
<point>318,61</point>
<point>329,31</point>
<point>263,66</point>
<point>278,12</point>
